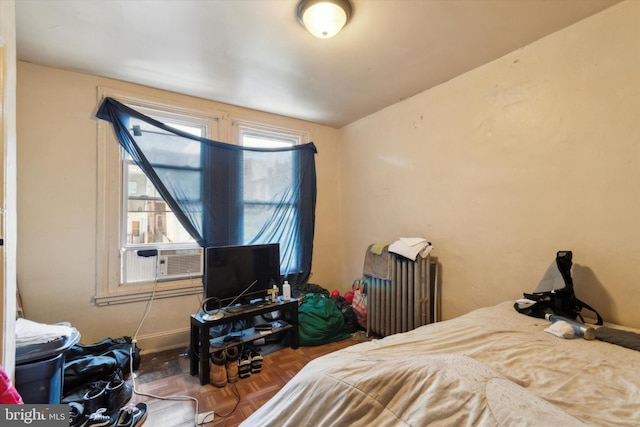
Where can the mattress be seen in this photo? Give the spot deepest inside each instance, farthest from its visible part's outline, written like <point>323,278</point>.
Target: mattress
<point>490,367</point>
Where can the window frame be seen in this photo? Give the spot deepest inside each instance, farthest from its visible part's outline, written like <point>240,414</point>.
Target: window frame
<point>246,127</point>
<point>167,118</point>
<point>111,202</point>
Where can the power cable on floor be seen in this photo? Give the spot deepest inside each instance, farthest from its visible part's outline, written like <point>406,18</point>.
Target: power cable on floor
<point>197,422</point>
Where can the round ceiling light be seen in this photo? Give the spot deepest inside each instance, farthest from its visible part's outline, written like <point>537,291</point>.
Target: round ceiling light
<point>324,18</point>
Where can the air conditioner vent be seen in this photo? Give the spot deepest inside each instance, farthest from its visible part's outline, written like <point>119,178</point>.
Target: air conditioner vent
<point>179,263</point>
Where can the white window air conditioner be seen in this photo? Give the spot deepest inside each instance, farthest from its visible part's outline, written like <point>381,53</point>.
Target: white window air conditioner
<point>179,263</point>
<point>143,265</point>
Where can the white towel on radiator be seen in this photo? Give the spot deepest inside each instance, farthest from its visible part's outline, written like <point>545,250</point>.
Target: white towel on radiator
<point>411,247</point>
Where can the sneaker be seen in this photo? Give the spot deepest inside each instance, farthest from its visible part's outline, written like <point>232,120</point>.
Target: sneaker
<point>98,419</point>
<point>217,369</point>
<point>76,414</point>
<point>231,365</point>
<point>132,415</point>
<point>119,392</point>
<point>256,360</point>
<point>95,397</point>
<point>244,364</point>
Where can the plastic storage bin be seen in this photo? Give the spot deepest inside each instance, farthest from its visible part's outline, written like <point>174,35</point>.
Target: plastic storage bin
<point>40,370</point>
<point>41,382</point>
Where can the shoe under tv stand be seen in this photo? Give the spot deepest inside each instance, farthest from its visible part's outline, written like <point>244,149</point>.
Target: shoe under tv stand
<point>201,344</point>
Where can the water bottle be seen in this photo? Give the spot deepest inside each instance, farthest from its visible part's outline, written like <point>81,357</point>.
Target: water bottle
<point>286,291</point>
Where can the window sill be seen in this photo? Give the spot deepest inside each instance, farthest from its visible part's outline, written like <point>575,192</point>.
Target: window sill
<point>125,297</point>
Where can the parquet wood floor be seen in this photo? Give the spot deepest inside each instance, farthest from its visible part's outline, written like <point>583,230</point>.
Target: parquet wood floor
<point>167,373</point>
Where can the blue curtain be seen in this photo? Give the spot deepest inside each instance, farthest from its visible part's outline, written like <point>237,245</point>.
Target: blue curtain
<point>207,186</point>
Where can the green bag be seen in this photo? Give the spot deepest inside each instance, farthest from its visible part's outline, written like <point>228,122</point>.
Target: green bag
<point>320,321</point>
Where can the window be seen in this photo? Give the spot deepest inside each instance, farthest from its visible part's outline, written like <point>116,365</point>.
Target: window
<point>265,181</point>
<point>148,222</point>
<point>133,217</point>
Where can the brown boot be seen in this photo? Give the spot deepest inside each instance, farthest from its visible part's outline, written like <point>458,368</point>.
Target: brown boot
<point>232,354</point>
<point>217,370</point>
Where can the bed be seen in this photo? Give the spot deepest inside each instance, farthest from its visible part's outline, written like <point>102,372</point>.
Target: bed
<point>490,367</point>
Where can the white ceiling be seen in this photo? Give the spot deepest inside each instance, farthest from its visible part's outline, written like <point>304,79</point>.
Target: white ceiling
<point>255,54</point>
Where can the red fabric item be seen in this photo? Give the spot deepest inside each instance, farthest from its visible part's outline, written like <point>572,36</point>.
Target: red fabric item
<point>8,393</point>
<point>349,297</point>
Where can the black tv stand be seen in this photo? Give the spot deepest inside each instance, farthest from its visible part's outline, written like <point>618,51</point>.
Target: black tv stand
<point>202,345</point>
<point>240,308</point>
<point>236,309</point>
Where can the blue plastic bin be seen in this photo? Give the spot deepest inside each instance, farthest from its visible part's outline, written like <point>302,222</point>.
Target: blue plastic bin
<point>41,382</point>
<point>40,370</point>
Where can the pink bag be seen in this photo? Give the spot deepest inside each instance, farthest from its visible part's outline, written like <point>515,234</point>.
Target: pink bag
<point>359,303</point>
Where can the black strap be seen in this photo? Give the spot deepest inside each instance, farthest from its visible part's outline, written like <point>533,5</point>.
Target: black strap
<point>541,307</point>
<point>588,307</point>
<point>564,263</point>
<point>537,297</point>
<point>534,310</point>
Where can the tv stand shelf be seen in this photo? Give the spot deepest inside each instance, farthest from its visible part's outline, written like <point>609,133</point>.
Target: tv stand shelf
<point>202,344</point>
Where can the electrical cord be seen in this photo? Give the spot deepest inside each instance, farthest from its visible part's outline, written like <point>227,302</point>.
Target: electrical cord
<point>181,398</point>
<point>237,394</point>
<point>205,419</point>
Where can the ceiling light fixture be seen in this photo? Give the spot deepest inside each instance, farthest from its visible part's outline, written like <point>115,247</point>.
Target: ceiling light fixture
<point>324,18</point>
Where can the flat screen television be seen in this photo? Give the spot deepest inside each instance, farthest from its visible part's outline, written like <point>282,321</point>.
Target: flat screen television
<point>230,270</point>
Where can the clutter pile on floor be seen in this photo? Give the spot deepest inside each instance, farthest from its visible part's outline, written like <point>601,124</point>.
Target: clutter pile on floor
<point>95,388</point>
<point>103,404</point>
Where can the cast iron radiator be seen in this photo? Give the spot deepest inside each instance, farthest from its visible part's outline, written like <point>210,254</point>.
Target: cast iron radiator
<point>406,300</point>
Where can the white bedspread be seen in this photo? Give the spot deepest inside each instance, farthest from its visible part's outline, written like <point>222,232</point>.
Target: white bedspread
<point>492,367</point>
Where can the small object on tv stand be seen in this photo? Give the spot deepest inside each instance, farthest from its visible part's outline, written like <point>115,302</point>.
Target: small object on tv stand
<point>260,302</point>
<point>286,291</point>
<point>263,327</point>
<point>235,309</point>
<point>215,314</point>
<point>232,337</point>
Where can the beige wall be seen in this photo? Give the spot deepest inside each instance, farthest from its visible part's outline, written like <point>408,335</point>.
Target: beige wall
<point>501,167</point>
<point>57,206</point>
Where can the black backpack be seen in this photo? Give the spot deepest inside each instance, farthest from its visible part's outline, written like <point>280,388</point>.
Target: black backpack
<point>554,294</point>
<point>350,321</point>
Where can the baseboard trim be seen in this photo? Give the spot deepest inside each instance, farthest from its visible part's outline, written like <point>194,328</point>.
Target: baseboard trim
<point>165,340</point>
